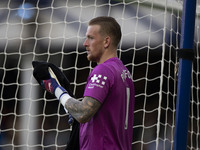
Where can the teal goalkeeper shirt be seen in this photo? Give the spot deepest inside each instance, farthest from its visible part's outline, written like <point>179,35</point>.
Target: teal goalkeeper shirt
<point>111,127</point>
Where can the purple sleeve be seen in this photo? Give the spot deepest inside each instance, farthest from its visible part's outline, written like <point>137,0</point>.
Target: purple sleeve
<point>98,83</point>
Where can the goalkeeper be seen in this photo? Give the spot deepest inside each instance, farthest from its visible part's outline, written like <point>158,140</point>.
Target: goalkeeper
<point>106,112</point>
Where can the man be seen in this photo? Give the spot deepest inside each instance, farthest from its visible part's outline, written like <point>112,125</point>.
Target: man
<point>106,111</point>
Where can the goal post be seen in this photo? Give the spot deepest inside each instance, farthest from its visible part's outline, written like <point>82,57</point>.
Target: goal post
<point>186,56</point>
<point>54,31</point>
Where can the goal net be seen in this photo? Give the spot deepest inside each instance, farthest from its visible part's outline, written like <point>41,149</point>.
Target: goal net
<point>54,31</point>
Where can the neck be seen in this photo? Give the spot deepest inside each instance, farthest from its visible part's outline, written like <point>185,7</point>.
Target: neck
<point>107,55</point>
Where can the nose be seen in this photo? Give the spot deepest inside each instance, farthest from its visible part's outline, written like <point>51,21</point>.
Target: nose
<point>85,43</point>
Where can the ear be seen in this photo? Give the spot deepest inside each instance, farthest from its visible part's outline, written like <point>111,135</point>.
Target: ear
<point>107,42</point>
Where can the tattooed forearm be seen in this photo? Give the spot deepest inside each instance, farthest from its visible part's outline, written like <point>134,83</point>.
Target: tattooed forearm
<point>83,110</point>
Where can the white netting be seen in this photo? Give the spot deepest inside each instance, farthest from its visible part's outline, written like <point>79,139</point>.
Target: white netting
<point>54,31</point>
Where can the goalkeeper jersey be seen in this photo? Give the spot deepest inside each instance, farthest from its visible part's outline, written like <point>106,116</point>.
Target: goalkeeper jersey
<point>111,127</point>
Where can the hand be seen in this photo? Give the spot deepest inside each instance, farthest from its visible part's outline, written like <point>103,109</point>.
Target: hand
<point>50,85</point>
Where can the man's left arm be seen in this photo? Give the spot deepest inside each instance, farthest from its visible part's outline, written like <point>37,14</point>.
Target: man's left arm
<point>83,110</point>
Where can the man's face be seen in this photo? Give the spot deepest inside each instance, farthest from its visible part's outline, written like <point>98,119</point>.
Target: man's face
<point>94,43</point>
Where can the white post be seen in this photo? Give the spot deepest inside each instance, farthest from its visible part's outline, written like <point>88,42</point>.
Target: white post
<point>29,108</point>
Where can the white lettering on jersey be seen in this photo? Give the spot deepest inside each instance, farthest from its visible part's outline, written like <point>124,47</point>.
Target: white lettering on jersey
<point>125,74</point>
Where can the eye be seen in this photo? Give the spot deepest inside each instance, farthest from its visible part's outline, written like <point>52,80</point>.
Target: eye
<point>90,37</point>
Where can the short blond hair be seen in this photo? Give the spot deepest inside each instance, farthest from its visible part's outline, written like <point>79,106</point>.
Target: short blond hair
<point>108,26</point>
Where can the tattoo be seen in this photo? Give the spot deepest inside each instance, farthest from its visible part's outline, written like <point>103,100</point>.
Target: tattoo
<point>83,110</point>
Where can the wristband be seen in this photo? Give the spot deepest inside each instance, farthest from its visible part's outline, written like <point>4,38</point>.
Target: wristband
<point>59,91</point>
<point>62,95</point>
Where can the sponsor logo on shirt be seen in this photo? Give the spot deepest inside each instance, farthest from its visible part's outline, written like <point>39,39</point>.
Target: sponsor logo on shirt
<point>98,81</point>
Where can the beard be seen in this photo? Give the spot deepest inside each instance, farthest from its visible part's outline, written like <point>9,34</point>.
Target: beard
<point>93,58</point>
